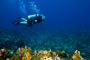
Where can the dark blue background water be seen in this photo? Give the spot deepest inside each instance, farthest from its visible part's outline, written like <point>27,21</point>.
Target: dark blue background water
<point>60,14</point>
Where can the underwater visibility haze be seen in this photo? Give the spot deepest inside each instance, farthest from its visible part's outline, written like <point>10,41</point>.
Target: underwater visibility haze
<point>65,30</point>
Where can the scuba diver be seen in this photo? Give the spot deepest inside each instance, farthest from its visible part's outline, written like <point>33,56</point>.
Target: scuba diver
<point>32,19</point>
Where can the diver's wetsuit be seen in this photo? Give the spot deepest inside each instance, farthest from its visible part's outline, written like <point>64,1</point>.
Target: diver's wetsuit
<point>32,20</point>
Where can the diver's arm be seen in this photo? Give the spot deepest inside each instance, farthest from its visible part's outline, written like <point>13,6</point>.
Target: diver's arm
<point>36,21</point>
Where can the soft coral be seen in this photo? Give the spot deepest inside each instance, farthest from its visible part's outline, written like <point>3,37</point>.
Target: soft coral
<point>77,56</point>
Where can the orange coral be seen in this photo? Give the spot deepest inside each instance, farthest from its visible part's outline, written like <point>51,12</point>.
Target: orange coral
<point>0,53</point>
<point>77,56</point>
<point>16,57</point>
<point>25,53</point>
<point>23,58</point>
<point>28,56</point>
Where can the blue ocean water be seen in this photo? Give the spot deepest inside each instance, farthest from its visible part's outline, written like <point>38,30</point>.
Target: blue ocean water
<point>66,20</point>
<point>60,14</point>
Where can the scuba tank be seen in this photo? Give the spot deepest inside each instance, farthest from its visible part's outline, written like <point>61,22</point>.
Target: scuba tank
<point>33,16</point>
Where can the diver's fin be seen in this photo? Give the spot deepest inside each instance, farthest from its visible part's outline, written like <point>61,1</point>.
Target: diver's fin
<point>15,23</point>
<point>18,17</point>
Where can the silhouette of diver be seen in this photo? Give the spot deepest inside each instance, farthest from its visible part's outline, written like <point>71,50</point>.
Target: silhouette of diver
<point>32,19</point>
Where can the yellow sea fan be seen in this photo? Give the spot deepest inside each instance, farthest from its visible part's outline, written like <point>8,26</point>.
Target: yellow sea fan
<point>14,57</point>
<point>45,52</point>
<point>41,52</point>
<point>29,50</point>
<point>62,59</point>
<point>23,58</point>
<point>45,56</point>
<point>35,52</point>
<point>28,56</point>
<point>48,55</point>
<point>25,48</point>
<point>22,50</point>
<point>0,53</point>
<point>50,51</point>
<point>76,56</point>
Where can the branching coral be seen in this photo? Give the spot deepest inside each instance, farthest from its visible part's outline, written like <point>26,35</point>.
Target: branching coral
<point>16,57</point>
<point>77,56</point>
<point>28,57</point>
<point>2,54</point>
<point>24,52</point>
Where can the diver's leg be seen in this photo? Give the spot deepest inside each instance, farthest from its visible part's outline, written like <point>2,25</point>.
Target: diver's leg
<point>23,23</point>
<point>17,21</point>
<point>23,19</point>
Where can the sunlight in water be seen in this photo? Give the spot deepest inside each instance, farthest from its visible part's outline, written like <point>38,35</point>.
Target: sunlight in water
<point>22,7</point>
<point>33,7</point>
<point>29,7</point>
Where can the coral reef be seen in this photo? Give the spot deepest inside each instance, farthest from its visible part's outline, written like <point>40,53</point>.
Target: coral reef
<point>8,37</point>
<point>63,44</point>
<point>77,56</point>
<point>27,54</point>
